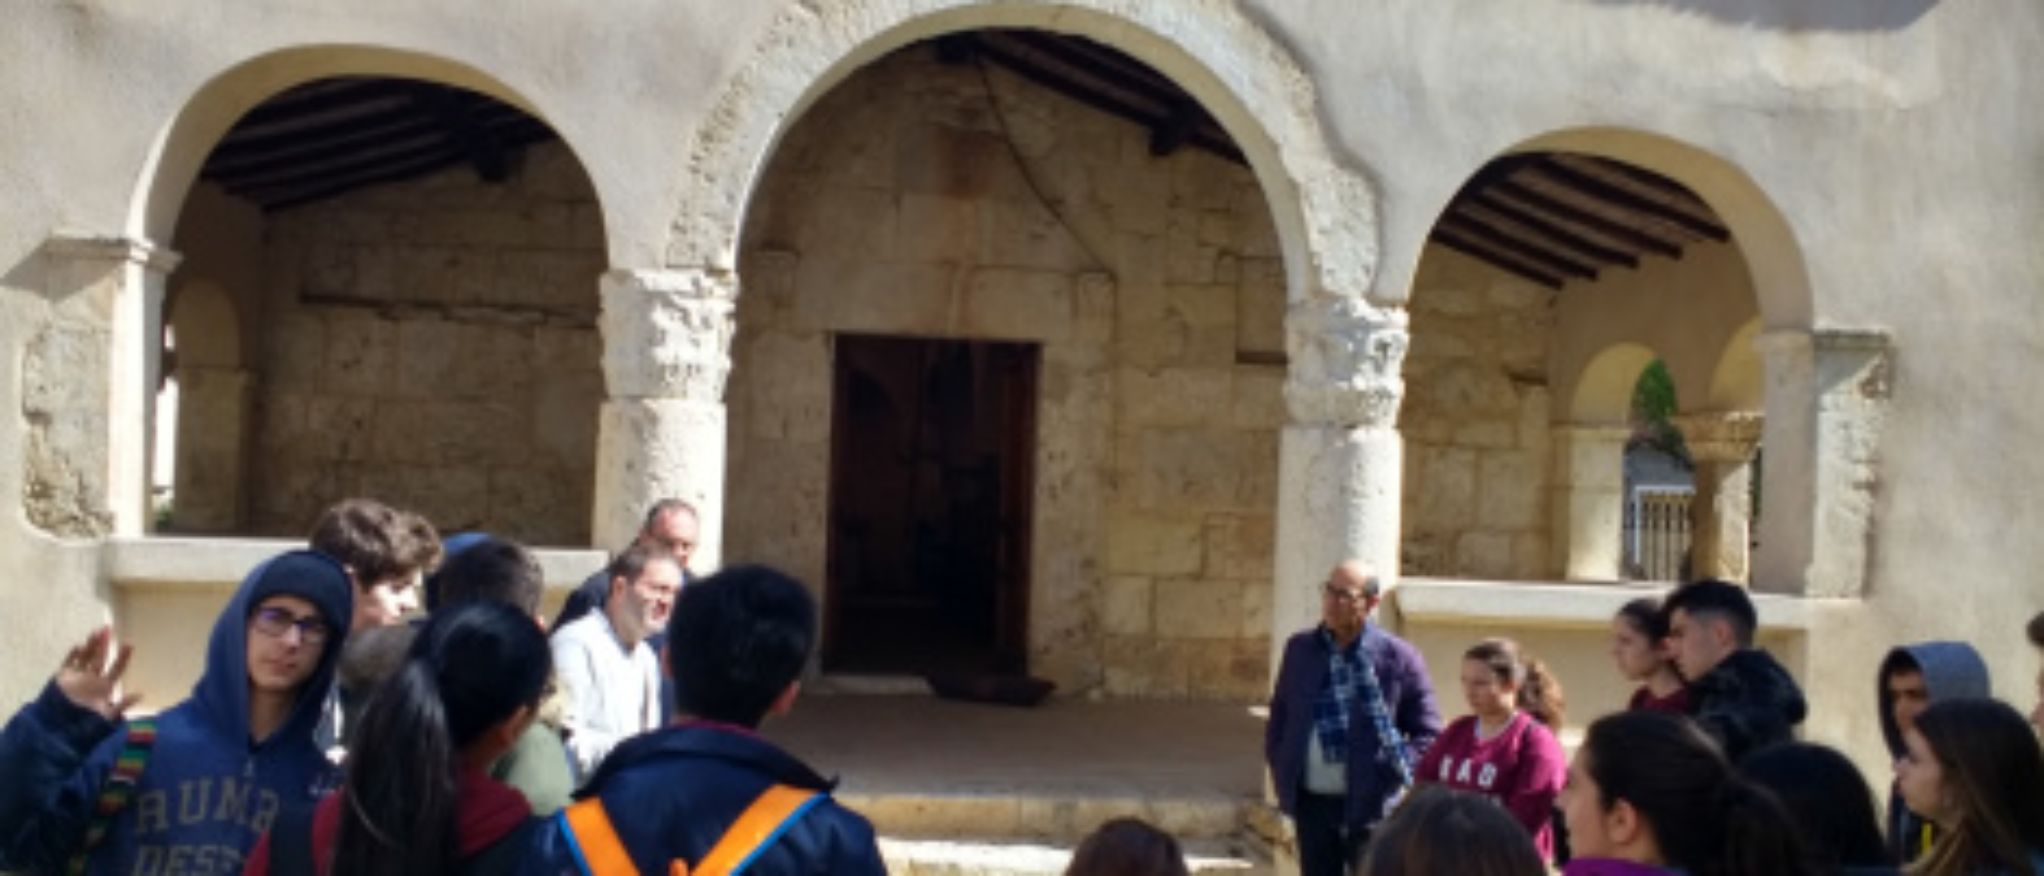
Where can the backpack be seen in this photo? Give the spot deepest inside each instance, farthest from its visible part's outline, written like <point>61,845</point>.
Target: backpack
<point>599,852</point>
<point>116,791</point>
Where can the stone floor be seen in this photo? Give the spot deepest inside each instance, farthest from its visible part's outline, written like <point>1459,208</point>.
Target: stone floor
<point>959,788</point>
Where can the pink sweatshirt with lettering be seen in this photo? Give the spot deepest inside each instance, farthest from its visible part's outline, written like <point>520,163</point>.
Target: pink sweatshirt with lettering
<point>1521,767</point>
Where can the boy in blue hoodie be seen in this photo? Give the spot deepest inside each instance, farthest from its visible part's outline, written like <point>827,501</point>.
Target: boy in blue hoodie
<point>191,791</point>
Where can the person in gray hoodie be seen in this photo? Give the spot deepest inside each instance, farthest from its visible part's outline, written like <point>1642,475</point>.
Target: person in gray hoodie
<point>1912,678</point>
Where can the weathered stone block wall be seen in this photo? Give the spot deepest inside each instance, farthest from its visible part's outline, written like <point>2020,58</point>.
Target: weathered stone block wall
<point>1477,422</point>
<point>924,199</point>
<point>433,344</point>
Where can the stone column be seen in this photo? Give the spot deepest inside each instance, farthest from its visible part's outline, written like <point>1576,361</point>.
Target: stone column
<point>212,442</point>
<point>1340,461</point>
<point>1589,501</point>
<point>89,386</point>
<point>1827,395</point>
<point>1721,445</point>
<point>666,356</point>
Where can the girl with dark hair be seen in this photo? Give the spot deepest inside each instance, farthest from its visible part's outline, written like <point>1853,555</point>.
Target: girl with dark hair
<point>1506,749</point>
<point>418,799</point>
<point>1972,766</point>
<point>1650,793</point>
<point>1830,803</point>
<point>1639,636</point>
<point>1127,847</point>
<point>1439,832</point>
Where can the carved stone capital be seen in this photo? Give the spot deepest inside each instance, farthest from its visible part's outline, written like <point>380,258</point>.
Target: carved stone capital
<point>667,334</point>
<point>1722,436</point>
<point>1347,360</point>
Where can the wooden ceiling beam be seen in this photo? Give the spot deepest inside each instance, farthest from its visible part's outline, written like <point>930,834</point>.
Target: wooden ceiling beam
<point>486,151</point>
<point>1572,214</point>
<point>1554,263</point>
<point>286,196</point>
<point>1592,187</point>
<point>1475,250</point>
<point>1543,228</point>
<point>300,173</point>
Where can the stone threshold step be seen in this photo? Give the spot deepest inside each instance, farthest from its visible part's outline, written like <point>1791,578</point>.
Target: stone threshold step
<point>1037,815</point>
<point>961,857</point>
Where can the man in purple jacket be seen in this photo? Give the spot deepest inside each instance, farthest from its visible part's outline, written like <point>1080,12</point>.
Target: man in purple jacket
<point>1352,712</point>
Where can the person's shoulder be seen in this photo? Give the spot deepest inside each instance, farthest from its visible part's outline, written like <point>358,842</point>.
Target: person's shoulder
<point>581,630</point>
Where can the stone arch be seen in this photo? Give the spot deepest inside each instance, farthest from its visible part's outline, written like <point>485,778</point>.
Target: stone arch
<point>1602,392</point>
<point>1781,280</point>
<point>1736,383</point>
<point>204,118</point>
<point>1325,213</point>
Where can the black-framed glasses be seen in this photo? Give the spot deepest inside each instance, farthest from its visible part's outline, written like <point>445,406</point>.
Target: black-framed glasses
<point>276,622</point>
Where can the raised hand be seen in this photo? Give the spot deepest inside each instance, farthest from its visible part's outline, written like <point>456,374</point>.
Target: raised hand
<point>90,681</point>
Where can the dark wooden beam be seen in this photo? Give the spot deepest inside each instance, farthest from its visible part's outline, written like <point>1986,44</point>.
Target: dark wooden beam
<point>293,147</point>
<point>1542,228</point>
<point>285,197</point>
<point>1097,62</point>
<point>1177,128</point>
<point>1646,178</point>
<point>1611,194</point>
<point>1076,91</point>
<point>1578,216</point>
<point>291,173</point>
<point>287,107</point>
<point>457,112</point>
<point>1554,263</point>
<point>1495,258</point>
<point>340,154</point>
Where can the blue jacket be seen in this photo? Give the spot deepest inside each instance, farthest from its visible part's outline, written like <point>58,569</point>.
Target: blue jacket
<point>1408,693</point>
<point>672,793</point>
<point>207,792</point>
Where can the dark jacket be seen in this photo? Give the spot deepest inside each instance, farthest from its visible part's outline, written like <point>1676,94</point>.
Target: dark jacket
<point>672,793</point>
<point>1748,702</point>
<point>1951,670</point>
<point>487,812</point>
<point>1408,694</point>
<point>206,792</point>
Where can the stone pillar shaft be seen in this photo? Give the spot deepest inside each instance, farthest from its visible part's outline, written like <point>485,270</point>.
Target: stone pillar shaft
<point>666,358</point>
<point>90,386</point>
<point>1827,395</point>
<point>1340,462</point>
<point>1721,445</point>
<point>1589,501</point>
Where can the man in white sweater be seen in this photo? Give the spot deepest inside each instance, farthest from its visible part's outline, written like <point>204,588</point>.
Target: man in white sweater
<point>609,673</point>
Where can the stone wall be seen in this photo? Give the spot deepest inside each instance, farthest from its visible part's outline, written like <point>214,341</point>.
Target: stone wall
<point>1476,422</point>
<point>433,344</point>
<point>923,199</point>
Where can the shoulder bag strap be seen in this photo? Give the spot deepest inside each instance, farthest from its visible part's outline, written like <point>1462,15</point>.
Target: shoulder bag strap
<point>116,791</point>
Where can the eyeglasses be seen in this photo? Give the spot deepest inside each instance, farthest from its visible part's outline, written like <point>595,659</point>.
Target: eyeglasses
<point>1345,597</point>
<point>277,622</point>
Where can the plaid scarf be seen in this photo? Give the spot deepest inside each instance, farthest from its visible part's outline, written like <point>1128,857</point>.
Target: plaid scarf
<point>1351,677</point>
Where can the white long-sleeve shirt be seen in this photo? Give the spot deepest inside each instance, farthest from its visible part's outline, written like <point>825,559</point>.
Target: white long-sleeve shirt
<point>613,692</point>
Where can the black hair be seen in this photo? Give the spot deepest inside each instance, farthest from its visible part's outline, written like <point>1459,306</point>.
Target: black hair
<point>1714,597</point>
<point>1646,616</point>
<point>1827,798</point>
<point>471,667</point>
<point>2036,630</point>
<point>737,639</point>
<point>1127,847</point>
<point>491,570</point>
<point>1438,830</point>
<point>1992,772</point>
<point>1707,820</point>
<point>1539,691</point>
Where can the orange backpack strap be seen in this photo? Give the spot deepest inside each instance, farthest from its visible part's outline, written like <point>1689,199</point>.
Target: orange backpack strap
<point>594,840</point>
<point>764,821</point>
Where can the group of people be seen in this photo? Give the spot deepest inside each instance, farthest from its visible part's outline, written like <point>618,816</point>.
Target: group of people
<point>338,730</point>
<point>1699,775</point>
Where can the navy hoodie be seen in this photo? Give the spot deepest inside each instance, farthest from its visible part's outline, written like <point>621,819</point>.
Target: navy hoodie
<point>208,791</point>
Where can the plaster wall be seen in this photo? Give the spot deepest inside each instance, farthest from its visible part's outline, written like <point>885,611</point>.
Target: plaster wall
<point>938,200</point>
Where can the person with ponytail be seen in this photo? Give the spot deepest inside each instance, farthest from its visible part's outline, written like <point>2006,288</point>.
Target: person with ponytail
<point>1506,749</point>
<point>1973,767</point>
<point>1639,646</point>
<point>1652,793</point>
<point>417,798</point>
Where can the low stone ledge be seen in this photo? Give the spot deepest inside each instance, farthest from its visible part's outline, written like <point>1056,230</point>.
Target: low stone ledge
<point>1556,605</point>
<point>204,563</point>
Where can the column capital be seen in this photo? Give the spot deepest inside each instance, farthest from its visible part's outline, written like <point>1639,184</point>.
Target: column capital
<point>1721,436</point>
<point>667,333</point>
<point>1347,361</point>
<point>100,248</point>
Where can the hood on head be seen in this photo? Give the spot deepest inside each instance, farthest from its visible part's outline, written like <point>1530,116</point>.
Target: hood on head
<point>222,692</point>
<point>1951,670</point>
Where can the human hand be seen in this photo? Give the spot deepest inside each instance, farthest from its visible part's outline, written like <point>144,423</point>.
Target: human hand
<point>90,681</point>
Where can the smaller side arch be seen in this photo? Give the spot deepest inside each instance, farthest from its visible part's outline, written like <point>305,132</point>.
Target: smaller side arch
<point>1737,383</point>
<point>1601,392</point>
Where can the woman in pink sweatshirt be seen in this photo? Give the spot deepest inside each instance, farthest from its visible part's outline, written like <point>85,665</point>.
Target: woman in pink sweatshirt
<point>1506,750</point>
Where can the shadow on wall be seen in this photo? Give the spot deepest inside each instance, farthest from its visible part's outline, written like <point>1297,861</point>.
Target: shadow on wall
<point>1854,16</point>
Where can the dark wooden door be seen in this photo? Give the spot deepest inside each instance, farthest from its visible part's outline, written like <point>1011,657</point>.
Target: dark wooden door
<point>931,485</point>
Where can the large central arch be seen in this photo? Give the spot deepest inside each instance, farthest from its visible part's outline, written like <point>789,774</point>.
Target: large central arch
<point>1325,213</point>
